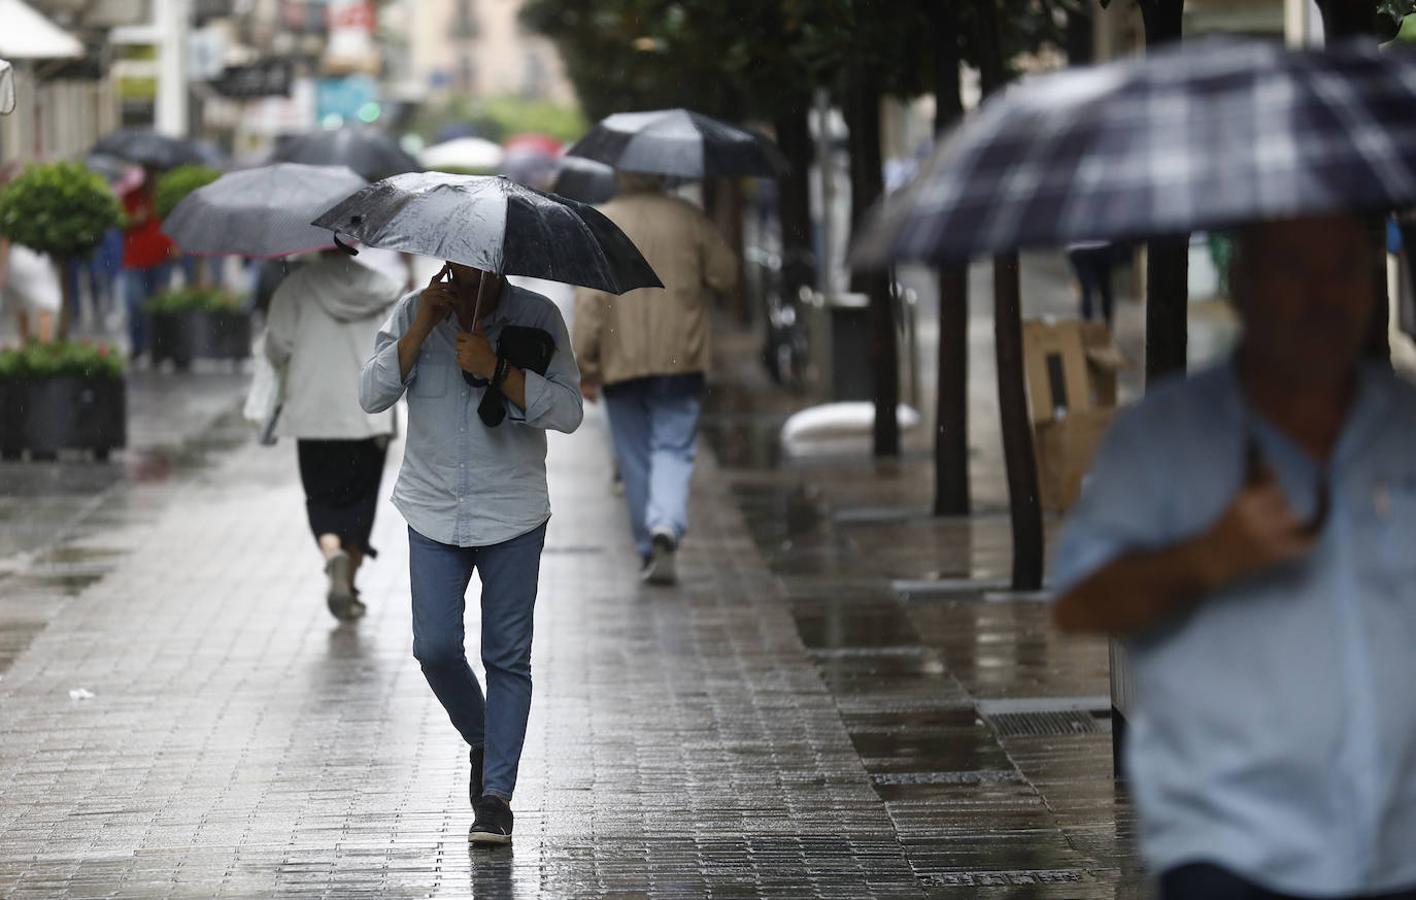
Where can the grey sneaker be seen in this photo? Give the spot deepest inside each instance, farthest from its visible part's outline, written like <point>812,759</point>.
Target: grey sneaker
<point>343,605</point>
<point>493,823</point>
<point>660,569</point>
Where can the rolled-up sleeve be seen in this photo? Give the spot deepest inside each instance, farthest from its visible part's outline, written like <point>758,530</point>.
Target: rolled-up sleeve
<point>1121,509</point>
<point>553,400</point>
<point>380,382</point>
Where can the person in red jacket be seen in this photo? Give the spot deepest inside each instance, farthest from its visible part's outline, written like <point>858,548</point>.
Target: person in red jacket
<point>147,259</point>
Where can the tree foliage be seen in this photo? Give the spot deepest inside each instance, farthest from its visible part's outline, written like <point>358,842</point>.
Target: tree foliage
<point>173,186</point>
<point>62,209</point>
<point>737,58</point>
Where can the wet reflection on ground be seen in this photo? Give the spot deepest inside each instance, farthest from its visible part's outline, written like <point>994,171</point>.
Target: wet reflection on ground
<point>904,618</point>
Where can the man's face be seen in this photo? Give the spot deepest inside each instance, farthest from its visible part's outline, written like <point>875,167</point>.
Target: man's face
<point>1306,295</point>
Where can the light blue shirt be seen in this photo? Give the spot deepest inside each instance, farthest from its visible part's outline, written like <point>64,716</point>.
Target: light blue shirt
<point>1274,726</point>
<point>463,483</point>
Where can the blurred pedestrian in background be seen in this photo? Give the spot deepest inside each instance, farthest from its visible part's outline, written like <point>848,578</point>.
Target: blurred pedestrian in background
<point>648,351</point>
<point>29,283</point>
<point>475,497</point>
<point>1091,263</point>
<point>323,319</point>
<point>147,259</point>
<point>1248,531</point>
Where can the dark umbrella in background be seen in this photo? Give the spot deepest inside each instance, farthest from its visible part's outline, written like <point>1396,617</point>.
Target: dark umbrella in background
<point>368,151</point>
<point>584,179</point>
<point>496,225</point>
<point>677,142</point>
<point>146,147</point>
<point>262,212</point>
<point>1202,136</point>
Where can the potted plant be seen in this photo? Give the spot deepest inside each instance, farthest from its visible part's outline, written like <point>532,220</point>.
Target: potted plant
<point>192,323</point>
<point>62,209</point>
<point>61,396</point>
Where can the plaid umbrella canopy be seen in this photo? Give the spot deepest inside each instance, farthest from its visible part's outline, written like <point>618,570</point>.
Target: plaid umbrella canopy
<point>1204,135</point>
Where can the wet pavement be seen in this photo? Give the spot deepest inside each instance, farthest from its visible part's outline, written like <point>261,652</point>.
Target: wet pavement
<point>839,701</point>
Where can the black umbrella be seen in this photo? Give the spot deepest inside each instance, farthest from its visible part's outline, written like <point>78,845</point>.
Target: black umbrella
<point>679,143</point>
<point>368,151</point>
<point>1205,135</point>
<point>494,224</point>
<point>261,212</point>
<point>149,148</point>
<point>585,180</point>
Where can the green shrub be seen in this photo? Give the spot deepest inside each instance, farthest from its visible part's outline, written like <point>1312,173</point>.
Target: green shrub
<point>60,208</point>
<point>174,185</point>
<point>84,359</point>
<point>195,299</point>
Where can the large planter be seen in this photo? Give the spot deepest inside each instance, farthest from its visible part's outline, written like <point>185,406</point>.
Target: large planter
<point>42,416</point>
<point>199,334</point>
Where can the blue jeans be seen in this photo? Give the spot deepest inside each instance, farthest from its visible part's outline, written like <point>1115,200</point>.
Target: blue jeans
<point>440,574</point>
<point>655,426</point>
<point>138,286</point>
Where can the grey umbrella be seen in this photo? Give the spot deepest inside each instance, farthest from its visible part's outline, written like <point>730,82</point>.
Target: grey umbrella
<point>149,148</point>
<point>494,224</point>
<point>368,151</point>
<point>1205,135</point>
<point>586,180</point>
<point>262,212</point>
<point>679,143</point>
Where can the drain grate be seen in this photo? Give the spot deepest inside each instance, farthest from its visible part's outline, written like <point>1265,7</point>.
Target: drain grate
<point>1055,723</point>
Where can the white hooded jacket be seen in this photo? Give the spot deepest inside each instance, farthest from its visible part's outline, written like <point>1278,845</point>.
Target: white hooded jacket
<point>321,329</point>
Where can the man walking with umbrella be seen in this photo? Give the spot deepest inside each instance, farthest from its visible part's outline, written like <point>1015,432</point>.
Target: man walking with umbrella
<point>649,353</point>
<point>1245,531</point>
<point>487,369</point>
<point>475,499</point>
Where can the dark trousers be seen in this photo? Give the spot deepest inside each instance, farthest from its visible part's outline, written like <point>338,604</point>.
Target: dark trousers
<point>1093,268</point>
<point>1204,881</point>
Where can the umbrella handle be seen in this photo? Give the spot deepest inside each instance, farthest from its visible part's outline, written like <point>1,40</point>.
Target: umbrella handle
<point>343,246</point>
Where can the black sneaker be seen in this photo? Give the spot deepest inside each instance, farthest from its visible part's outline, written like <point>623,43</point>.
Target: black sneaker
<point>493,824</point>
<point>660,568</point>
<point>477,757</point>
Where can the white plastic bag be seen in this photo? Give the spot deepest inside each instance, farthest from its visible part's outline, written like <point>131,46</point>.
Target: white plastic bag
<point>264,399</point>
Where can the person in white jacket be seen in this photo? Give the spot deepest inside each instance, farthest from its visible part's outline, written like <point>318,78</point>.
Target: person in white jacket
<point>323,320</point>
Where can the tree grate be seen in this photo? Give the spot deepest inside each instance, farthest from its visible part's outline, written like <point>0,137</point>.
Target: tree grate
<point>1062,723</point>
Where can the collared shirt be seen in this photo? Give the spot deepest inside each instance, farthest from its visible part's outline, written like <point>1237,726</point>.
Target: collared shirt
<point>463,483</point>
<point>1273,729</point>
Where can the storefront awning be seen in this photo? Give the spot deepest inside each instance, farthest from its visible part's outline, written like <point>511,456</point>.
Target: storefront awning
<point>29,35</point>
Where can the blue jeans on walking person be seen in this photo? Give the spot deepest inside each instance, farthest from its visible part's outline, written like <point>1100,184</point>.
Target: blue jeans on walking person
<point>509,572</point>
<point>654,422</point>
<point>138,286</point>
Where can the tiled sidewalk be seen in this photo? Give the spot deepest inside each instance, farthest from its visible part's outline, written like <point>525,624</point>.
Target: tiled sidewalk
<point>237,743</point>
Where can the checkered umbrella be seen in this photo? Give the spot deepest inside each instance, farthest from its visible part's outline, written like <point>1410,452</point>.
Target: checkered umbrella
<point>1201,136</point>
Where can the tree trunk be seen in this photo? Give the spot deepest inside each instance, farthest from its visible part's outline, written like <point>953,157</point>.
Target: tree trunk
<point>1023,495</point>
<point>794,199</point>
<point>1023,500</point>
<point>951,398</point>
<point>866,186</point>
<point>1167,258</point>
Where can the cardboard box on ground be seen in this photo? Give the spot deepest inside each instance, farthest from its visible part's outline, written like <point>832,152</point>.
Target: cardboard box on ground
<point>1071,371</point>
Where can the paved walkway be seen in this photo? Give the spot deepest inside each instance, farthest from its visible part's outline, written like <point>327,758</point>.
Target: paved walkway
<point>237,743</point>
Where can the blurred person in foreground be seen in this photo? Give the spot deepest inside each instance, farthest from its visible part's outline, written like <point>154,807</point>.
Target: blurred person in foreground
<point>323,319</point>
<point>648,352</point>
<point>1247,531</point>
<point>147,259</point>
<point>475,498</point>
<point>29,283</point>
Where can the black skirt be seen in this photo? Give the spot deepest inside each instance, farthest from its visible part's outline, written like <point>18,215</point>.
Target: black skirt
<point>341,480</point>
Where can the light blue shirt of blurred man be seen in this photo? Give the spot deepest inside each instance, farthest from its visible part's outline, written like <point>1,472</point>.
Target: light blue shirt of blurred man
<point>1251,532</point>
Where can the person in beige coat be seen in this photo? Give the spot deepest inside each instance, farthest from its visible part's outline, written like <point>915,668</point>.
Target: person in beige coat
<point>648,352</point>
